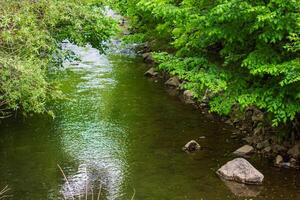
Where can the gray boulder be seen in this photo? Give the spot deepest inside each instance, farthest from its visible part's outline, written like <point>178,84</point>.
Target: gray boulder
<point>240,170</point>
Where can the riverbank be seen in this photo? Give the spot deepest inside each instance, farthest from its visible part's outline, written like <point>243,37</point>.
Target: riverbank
<point>236,55</point>
<point>251,126</point>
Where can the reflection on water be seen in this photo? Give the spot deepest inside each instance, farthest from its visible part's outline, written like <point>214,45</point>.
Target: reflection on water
<point>96,150</point>
<point>242,190</point>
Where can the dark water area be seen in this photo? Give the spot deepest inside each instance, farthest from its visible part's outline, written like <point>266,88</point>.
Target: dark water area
<point>123,131</point>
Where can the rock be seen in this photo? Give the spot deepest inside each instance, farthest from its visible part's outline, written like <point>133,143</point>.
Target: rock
<point>248,114</point>
<point>126,33</point>
<point>258,116</point>
<point>293,162</point>
<point>234,133</point>
<point>244,127</point>
<point>236,121</point>
<point>228,122</point>
<point>173,82</point>
<point>258,131</point>
<point>148,58</point>
<point>145,55</point>
<point>295,151</point>
<point>244,150</point>
<point>267,149</point>
<point>278,160</point>
<point>151,72</point>
<point>248,139</point>
<point>240,170</point>
<point>144,48</point>
<point>263,144</point>
<point>260,145</point>
<point>191,146</point>
<point>188,97</point>
<point>234,136</point>
<point>278,148</point>
<point>285,165</point>
<point>203,105</point>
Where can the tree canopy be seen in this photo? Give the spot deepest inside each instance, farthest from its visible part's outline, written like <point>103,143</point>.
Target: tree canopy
<point>30,34</point>
<point>246,53</point>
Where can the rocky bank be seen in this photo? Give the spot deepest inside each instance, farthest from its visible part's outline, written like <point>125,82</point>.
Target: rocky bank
<point>252,125</point>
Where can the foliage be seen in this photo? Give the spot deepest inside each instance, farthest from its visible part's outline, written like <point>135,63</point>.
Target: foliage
<point>30,33</point>
<point>245,52</point>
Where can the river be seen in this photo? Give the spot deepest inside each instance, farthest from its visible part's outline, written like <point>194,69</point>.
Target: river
<point>123,132</point>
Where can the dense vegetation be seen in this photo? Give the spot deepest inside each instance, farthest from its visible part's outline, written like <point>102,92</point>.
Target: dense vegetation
<point>30,33</point>
<point>245,52</point>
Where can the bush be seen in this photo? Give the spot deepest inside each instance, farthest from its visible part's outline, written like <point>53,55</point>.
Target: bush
<point>30,33</point>
<point>245,52</point>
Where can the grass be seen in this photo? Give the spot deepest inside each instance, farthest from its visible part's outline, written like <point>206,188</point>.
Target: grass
<point>93,193</point>
<point>3,193</point>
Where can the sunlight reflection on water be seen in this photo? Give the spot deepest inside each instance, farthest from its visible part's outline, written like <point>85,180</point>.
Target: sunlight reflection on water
<point>87,137</point>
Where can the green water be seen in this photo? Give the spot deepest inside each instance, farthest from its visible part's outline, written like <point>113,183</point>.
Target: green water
<point>127,132</point>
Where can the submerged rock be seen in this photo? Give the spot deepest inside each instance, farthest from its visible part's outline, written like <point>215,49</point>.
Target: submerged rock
<point>191,146</point>
<point>173,91</point>
<point>173,82</point>
<point>240,170</point>
<point>244,150</point>
<point>151,72</point>
<point>242,190</point>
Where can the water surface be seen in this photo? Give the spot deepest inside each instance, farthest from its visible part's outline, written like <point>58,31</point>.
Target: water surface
<point>122,131</point>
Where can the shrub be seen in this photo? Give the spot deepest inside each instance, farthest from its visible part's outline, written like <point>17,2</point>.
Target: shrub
<point>245,52</point>
<point>30,33</point>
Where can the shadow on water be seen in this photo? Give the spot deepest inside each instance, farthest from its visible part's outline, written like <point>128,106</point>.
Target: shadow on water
<point>122,131</point>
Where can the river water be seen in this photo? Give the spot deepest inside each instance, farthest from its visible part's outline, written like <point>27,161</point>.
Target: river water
<point>122,132</point>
